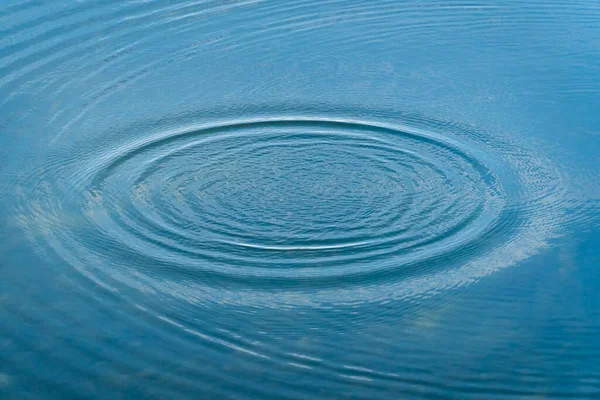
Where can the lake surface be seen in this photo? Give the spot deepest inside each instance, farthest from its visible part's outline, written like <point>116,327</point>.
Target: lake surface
<point>299,199</point>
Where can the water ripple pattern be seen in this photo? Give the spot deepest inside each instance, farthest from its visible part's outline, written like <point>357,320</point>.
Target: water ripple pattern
<point>284,205</point>
<point>299,199</point>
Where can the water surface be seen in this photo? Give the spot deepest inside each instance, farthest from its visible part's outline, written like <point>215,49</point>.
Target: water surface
<point>299,199</point>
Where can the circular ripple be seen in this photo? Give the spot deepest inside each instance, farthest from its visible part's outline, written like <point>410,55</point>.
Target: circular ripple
<point>291,200</point>
<point>294,210</point>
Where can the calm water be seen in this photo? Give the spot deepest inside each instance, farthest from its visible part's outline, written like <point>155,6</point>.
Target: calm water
<point>299,199</point>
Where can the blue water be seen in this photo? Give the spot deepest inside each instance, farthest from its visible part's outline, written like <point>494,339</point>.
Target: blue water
<point>299,199</point>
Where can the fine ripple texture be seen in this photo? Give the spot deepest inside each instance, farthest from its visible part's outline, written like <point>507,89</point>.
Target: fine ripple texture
<point>289,200</point>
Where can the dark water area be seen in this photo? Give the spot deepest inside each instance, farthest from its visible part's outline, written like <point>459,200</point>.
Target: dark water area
<point>299,199</point>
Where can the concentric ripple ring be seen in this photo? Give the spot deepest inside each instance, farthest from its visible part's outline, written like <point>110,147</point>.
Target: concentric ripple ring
<point>291,203</point>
